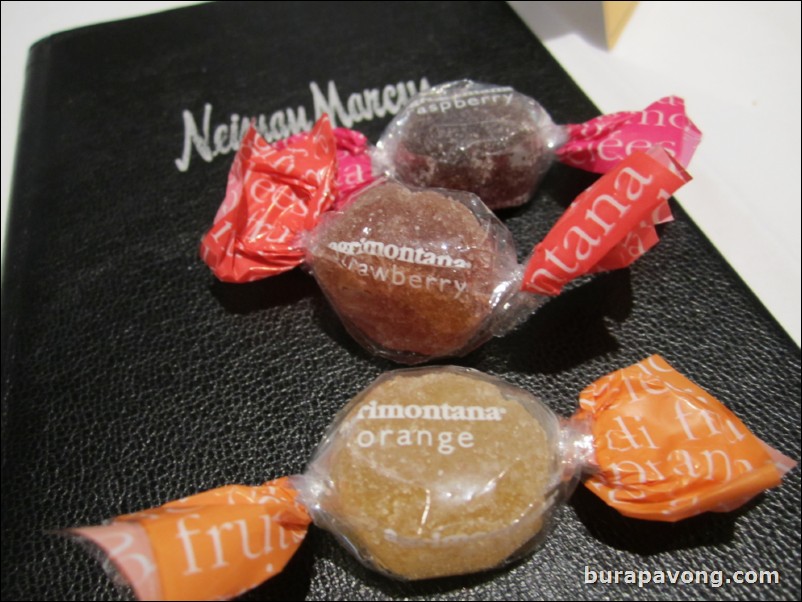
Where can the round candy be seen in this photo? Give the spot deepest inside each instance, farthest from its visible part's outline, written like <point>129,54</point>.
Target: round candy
<point>433,472</point>
<point>414,273</point>
<point>489,140</point>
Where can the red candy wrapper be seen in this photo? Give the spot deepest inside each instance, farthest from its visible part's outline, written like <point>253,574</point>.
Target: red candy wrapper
<point>443,471</point>
<point>354,167</point>
<point>276,191</point>
<point>417,274</point>
<point>609,225</point>
<point>602,143</point>
<point>498,143</point>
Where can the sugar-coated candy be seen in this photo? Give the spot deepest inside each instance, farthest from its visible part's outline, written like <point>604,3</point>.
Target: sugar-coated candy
<point>420,273</point>
<point>439,471</point>
<point>499,143</point>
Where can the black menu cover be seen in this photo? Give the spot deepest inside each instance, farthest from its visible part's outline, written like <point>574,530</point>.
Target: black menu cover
<point>131,377</point>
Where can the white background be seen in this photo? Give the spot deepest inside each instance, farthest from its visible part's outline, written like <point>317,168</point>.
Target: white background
<point>737,64</point>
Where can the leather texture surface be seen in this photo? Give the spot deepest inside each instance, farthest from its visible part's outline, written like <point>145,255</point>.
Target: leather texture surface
<point>131,377</point>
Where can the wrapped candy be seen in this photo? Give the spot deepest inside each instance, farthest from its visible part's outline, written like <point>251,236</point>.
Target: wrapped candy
<point>442,471</point>
<point>417,274</point>
<point>498,143</point>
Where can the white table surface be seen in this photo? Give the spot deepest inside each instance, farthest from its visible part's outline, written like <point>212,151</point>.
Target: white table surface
<point>736,64</point>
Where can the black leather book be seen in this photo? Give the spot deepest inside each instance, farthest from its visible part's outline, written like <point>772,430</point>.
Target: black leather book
<point>132,377</point>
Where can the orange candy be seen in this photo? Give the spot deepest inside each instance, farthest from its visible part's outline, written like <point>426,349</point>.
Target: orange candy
<point>425,474</point>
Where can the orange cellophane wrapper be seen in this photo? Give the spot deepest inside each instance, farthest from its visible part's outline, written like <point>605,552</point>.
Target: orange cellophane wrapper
<point>665,449</point>
<point>211,546</point>
<point>274,193</point>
